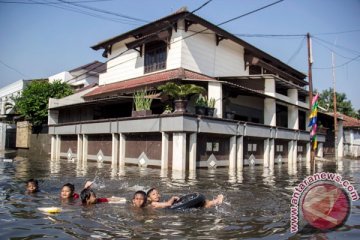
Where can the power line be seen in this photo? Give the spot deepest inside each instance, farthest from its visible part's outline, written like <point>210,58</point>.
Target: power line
<point>105,11</point>
<point>68,8</point>
<point>330,49</point>
<point>251,12</point>
<point>13,69</point>
<point>331,33</point>
<point>195,33</point>
<point>197,9</point>
<point>338,46</point>
<point>338,66</point>
<point>49,3</point>
<point>297,50</point>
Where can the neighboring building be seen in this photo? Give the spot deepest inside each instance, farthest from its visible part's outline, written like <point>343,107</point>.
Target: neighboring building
<point>351,136</point>
<point>326,148</point>
<point>7,124</point>
<point>82,76</point>
<point>268,98</point>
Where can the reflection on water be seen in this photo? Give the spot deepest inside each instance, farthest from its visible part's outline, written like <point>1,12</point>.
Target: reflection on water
<point>257,201</point>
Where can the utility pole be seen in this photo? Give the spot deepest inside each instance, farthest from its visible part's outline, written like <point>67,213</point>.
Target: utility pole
<point>310,62</point>
<point>334,102</point>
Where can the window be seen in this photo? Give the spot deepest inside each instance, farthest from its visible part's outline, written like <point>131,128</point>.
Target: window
<point>155,56</point>
<point>252,147</point>
<point>279,148</point>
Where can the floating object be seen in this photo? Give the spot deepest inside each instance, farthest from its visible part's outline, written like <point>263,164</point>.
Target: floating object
<point>192,200</point>
<point>7,160</point>
<point>120,200</point>
<point>50,209</point>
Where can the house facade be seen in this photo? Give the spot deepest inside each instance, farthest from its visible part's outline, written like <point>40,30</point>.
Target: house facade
<point>351,136</point>
<point>82,76</point>
<point>7,113</point>
<point>266,98</point>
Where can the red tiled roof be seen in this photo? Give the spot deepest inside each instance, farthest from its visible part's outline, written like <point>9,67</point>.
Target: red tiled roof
<point>151,79</point>
<point>350,121</point>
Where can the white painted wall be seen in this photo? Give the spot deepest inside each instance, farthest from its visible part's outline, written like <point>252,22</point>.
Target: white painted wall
<point>63,77</point>
<point>7,92</point>
<point>200,53</point>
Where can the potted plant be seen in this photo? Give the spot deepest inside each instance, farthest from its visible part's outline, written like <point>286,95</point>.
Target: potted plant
<point>200,105</point>
<point>211,107</point>
<point>180,92</point>
<point>168,109</point>
<point>142,104</point>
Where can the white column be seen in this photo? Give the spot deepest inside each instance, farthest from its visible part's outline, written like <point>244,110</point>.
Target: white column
<point>269,88</point>
<point>272,154</point>
<point>114,150</point>
<point>290,152</point>
<point>270,112</point>
<point>340,137</point>
<point>215,91</point>
<point>58,147</point>
<point>294,151</point>
<point>320,150</point>
<point>164,150</point>
<point>293,117</point>
<point>308,154</point>
<point>192,152</point>
<point>53,147</point>
<point>179,152</point>
<point>266,152</point>
<point>232,154</point>
<point>122,146</point>
<point>85,150</point>
<point>240,153</point>
<point>79,147</point>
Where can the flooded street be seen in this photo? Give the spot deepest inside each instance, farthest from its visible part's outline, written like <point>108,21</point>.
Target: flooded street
<point>257,202</point>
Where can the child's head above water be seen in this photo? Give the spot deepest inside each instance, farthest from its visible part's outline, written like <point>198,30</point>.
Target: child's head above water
<point>32,186</point>
<point>67,191</point>
<point>153,195</point>
<point>139,199</point>
<point>88,196</point>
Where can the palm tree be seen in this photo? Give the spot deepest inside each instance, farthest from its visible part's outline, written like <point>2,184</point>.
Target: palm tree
<point>180,93</point>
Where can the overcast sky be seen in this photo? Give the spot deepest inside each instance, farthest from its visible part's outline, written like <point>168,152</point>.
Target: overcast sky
<point>40,38</point>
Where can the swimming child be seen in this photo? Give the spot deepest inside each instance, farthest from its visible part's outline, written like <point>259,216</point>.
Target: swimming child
<point>154,199</point>
<point>32,186</point>
<point>88,196</point>
<point>68,192</point>
<point>139,199</point>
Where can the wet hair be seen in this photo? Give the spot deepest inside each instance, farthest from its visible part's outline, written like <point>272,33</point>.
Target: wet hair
<point>85,194</point>
<point>144,196</point>
<point>150,191</point>
<point>70,186</point>
<point>34,181</point>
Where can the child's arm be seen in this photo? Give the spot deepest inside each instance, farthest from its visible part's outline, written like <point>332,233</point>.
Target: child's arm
<point>166,204</point>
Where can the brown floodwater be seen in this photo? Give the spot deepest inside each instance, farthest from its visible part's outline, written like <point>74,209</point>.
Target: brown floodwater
<point>256,204</point>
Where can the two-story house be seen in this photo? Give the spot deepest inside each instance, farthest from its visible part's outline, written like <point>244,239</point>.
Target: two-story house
<point>267,97</point>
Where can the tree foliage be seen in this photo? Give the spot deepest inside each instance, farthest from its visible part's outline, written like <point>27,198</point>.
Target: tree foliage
<point>180,91</point>
<point>342,104</point>
<point>33,102</point>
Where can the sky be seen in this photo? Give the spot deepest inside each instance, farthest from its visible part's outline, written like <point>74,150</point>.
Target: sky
<point>40,38</point>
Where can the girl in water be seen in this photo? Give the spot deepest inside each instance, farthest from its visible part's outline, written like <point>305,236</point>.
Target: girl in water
<point>88,196</point>
<point>68,192</point>
<point>154,200</point>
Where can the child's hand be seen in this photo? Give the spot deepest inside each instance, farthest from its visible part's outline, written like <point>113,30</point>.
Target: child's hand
<point>117,200</point>
<point>88,184</point>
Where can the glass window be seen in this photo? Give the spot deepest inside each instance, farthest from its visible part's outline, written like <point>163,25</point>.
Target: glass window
<point>155,56</point>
